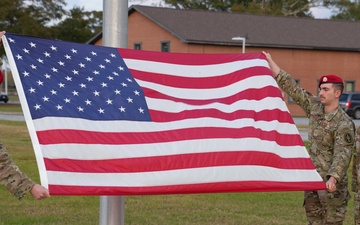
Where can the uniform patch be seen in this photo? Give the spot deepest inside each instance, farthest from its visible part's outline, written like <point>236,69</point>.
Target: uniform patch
<point>348,138</point>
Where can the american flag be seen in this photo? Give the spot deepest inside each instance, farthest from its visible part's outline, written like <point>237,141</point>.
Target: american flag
<point>108,121</point>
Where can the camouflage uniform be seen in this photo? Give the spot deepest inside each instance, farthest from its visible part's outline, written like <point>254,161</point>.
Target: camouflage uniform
<point>356,178</point>
<point>331,142</point>
<point>15,181</point>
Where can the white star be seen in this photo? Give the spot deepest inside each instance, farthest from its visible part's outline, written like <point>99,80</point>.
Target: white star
<point>96,93</point>
<point>121,68</point>
<point>47,54</point>
<point>67,100</point>
<point>61,63</point>
<point>11,40</point>
<point>59,107</point>
<point>19,57</point>
<point>123,84</point>
<point>82,65</point>
<point>37,106</point>
<point>32,45</point>
<point>115,73</point>
<point>75,72</point>
<point>67,56</point>
<point>107,60</point>
<point>109,102</point>
<point>82,85</point>
<point>75,93</point>
<point>110,78</point>
<point>88,59</point>
<point>88,102</point>
<point>26,74</point>
<point>128,79</point>
<point>117,92</point>
<point>53,48</point>
<point>26,50</point>
<point>129,100</point>
<point>122,109</point>
<point>68,78</point>
<point>103,84</point>
<point>40,60</point>
<point>46,99</point>
<point>113,55</point>
<point>54,70</point>
<point>47,76</point>
<point>80,109</point>
<point>136,92</point>
<point>32,90</point>
<point>101,111</point>
<point>33,66</point>
<point>53,92</point>
<point>40,83</point>
<point>95,72</point>
<point>61,85</point>
<point>89,79</point>
<point>102,66</point>
<point>141,110</point>
<point>74,51</point>
<point>93,53</point>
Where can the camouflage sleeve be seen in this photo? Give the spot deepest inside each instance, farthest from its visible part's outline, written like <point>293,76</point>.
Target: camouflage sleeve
<point>302,97</point>
<point>15,181</point>
<point>356,163</point>
<point>343,148</point>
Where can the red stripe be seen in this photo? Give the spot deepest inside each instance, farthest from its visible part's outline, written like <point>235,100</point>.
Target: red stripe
<point>266,115</point>
<point>249,94</point>
<point>240,186</point>
<point>91,137</point>
<point>201,82</point>
<point>186,58</point>
<point>183,161</point>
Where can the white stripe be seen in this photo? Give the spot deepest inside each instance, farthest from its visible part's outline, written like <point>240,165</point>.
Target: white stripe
<point>193,70</point>
<point>185,176</point>
<point>256,82</point>
<point>50,123</point>
<point>99,152</point>
<point>268,103</point>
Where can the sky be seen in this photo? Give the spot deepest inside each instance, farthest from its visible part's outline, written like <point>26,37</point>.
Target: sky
<point>89,5</point>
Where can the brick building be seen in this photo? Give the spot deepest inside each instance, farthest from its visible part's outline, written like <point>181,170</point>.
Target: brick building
<point>306,48</point>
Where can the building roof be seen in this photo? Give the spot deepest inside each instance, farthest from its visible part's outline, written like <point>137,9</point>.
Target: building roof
<point>209,27</point>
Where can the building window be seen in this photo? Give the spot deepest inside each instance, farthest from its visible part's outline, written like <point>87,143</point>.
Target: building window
<point>290,100</point>
<point>165,46</point>
<point>349,86</point>
<point>137,46</point>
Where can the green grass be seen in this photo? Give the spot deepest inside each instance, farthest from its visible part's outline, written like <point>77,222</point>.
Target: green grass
<point>279,208</point>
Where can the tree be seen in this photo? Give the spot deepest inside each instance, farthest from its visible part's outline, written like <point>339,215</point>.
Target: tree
<point>296,8</point>
<point>31,17</point>
<point>80,25</point>
<point>346,10</point>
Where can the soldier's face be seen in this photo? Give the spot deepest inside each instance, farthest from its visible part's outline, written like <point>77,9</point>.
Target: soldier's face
<point>328,94</point>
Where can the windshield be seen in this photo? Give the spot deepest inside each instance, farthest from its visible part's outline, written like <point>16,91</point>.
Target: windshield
<point>344,97</point>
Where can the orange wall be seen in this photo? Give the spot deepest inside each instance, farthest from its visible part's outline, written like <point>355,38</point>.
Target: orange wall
<point>306,65</point>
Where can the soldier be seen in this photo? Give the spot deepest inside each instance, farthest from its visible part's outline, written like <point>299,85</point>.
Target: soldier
<point>355,187</point>
<point>15,181</point>
<point>331,142</point>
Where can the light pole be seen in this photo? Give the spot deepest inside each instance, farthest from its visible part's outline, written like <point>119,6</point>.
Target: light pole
<point>240,39</point>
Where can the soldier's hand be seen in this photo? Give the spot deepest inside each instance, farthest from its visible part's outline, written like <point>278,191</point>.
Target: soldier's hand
<point>39,192</point>
<point>331,184</point>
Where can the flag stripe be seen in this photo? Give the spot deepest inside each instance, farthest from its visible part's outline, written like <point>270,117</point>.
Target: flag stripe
<point>180,161</point>
<point>78,136</point>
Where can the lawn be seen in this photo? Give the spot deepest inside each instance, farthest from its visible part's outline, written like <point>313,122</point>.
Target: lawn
<point>200,209</point>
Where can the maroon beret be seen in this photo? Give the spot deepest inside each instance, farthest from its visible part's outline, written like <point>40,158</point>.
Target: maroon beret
<point>1,77</point>
<point>330,79</point>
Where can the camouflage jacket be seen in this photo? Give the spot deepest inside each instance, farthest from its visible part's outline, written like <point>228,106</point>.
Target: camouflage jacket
<point>356,163</point>
<point>15,181</point>
<point>331,135</point>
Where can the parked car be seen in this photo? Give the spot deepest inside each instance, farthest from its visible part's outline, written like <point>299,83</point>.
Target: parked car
<point>350,102</point>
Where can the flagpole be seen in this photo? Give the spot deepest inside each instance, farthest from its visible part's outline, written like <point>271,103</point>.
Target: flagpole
<point>114,34</point>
